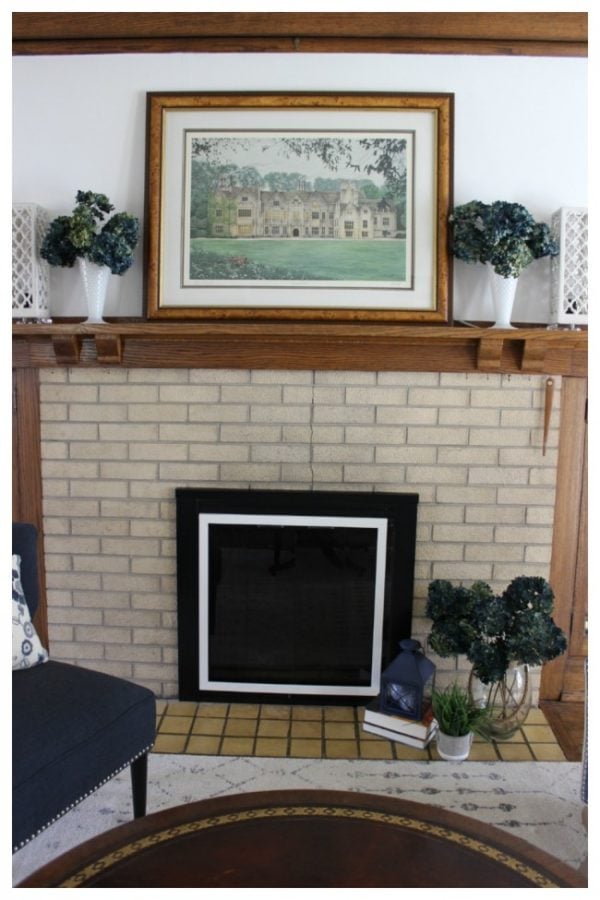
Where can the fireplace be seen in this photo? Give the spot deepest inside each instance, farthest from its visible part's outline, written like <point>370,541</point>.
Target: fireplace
<point>291,595</point>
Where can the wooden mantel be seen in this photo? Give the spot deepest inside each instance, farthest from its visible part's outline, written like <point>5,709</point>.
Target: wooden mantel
<point>361,346</point>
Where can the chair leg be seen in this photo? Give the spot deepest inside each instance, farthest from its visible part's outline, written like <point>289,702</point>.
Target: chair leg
<point>139,780</point>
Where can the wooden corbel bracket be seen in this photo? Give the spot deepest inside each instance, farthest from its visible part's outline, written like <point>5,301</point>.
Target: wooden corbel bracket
<point>109,349</point>
<point>67,349</point>
<point>534,357</point>
<point>489,353</point>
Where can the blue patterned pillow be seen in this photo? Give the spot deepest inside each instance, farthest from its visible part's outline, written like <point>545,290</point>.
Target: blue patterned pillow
<point>27,648</point>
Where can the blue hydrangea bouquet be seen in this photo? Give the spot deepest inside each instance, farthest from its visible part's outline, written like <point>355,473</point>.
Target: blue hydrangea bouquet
<point>501,233</point>
<point>80,235</point>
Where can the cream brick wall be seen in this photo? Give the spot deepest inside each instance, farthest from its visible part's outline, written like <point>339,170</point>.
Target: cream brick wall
<point>116,443</point>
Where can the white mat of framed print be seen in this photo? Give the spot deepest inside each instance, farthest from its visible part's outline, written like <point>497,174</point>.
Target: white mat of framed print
<point>301,206</point>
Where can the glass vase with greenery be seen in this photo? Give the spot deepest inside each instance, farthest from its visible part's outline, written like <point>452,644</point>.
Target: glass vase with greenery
<point>501,635</point>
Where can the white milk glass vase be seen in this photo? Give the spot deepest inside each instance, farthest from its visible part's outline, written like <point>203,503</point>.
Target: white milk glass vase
<point>95,286</point>
<point>503,296</point>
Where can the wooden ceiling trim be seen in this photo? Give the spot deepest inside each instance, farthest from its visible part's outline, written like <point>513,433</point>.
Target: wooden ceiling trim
<point>550,34</point>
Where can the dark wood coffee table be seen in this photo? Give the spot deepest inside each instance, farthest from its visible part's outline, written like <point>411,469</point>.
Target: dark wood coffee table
<point>305,839</point>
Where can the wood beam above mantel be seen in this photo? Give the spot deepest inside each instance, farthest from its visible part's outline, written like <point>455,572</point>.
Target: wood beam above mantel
<point>491,33</point>
<point>326,346</point>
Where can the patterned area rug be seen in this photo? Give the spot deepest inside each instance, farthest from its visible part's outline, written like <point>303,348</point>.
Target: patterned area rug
<point>538,802</point>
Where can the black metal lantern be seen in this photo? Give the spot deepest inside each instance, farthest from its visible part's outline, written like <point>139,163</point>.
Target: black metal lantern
<point>407,683</point>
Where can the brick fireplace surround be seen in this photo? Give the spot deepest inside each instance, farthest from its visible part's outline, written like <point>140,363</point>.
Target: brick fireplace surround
<point>116,441</point>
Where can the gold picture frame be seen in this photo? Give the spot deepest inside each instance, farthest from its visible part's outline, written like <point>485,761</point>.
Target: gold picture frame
<point>299,207</point>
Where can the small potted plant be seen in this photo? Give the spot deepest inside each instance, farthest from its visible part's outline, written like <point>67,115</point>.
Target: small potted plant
<point>501,635</point>
<point>99,249</point>
<point>459,719</point>
<point>505,237</point>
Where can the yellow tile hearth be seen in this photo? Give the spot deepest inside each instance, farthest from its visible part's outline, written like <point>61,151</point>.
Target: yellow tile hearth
<point>319,732</point>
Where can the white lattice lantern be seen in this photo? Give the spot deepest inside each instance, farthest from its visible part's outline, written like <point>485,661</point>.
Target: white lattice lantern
<point>569,301</point>
<point>29,271</point>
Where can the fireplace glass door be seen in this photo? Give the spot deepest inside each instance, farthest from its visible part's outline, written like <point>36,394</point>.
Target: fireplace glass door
<point>291,604</point>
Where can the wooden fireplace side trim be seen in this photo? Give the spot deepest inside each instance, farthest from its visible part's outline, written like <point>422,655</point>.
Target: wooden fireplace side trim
<point>569,526</point>
<point>27,474</point>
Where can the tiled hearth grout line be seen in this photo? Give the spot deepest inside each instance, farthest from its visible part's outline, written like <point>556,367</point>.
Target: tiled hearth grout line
<point>177,735</point>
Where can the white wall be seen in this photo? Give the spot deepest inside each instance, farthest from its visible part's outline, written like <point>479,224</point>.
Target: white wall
<point>520,135</point>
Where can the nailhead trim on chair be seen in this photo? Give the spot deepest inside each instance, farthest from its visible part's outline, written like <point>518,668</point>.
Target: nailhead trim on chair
<point>75,802</point>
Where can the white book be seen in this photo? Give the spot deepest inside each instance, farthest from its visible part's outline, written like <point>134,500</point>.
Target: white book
<point>418,729</point>
<point>400,738</point>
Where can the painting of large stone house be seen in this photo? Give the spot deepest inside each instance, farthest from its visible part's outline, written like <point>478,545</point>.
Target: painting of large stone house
<point>344,214</point>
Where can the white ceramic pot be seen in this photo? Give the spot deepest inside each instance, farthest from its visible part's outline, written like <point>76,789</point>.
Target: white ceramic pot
<point>503,296</point>
<point>95,286</point>
<point>452,748</point>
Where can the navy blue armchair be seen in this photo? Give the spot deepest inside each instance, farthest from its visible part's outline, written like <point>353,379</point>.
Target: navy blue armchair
<point>73,728</point>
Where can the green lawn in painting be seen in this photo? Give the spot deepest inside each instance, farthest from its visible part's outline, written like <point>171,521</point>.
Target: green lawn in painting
<point>297,260</point>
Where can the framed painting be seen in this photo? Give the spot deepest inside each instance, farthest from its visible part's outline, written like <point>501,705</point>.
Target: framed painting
<point>322,207</point>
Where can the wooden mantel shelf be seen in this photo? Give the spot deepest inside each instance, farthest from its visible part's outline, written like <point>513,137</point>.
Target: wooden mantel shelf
<point>356,346</point>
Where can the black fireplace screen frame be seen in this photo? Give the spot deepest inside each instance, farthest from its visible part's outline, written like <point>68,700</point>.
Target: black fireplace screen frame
<point>400,511</point>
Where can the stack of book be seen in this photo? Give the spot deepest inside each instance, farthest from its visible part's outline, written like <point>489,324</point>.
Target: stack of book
<point>412,732</point>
